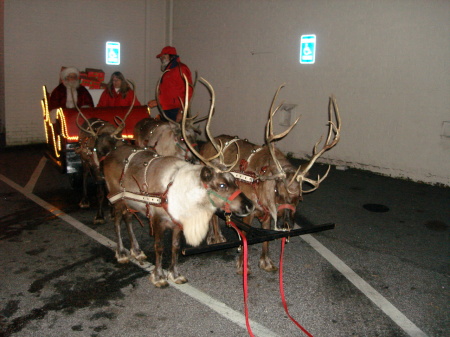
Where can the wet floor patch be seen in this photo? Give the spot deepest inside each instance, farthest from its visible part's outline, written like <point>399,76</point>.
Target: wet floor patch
<point>89,283</point>
<point>377,208</point>
<point>437,226</point>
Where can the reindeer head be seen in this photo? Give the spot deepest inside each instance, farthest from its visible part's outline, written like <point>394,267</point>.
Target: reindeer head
<point>216,176</point>
<point>288,183</point>
<point>97,138</point>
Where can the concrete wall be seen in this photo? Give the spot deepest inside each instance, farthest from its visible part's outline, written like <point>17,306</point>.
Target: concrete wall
<point>41,36</point>
<point>387,62</point>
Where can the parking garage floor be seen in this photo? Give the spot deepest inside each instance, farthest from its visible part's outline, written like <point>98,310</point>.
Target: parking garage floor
<point>382,271</point>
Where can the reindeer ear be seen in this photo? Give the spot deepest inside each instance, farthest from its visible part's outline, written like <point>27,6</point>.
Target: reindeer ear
<point>207,174</point>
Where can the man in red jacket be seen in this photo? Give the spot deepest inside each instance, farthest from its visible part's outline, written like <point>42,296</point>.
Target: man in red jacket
<point>172,87</point>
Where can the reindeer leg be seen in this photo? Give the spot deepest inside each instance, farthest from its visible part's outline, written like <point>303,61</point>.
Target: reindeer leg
<point>99,218</point>
<point>135,250</point>
<point>84,203</point>
<point>214,233</point>
<point>174,274</point>
<point>264,260</point>
<point>157,277</point>
<point>121,254</point>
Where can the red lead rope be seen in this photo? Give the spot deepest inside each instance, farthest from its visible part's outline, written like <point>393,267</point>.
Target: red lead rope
<point>283,241</point>
<point>245,276</point>
<point>245,279</point>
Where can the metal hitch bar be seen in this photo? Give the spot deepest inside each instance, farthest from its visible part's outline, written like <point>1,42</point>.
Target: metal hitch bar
<point>255,235</point>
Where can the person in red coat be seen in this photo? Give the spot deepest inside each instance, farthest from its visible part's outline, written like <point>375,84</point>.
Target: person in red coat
<point>172,87</point>
<point>118,92</point>
<point>69,92</point>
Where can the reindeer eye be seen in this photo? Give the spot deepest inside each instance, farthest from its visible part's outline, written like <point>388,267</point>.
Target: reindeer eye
<point>222,186</point>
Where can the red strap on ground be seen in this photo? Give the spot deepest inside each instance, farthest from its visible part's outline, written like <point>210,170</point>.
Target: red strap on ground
<point>283,241</point>
<point>244,276</point>
<point>245,281</point>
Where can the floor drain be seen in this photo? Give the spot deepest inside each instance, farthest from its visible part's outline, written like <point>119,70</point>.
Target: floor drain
<point>376,208</point>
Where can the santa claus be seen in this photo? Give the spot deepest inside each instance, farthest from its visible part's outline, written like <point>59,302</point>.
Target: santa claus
<point>69,93</point>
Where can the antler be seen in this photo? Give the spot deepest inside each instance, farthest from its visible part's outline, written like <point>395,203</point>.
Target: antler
<point>300,174</point>
<point>218,147</point>
<point>270,137</point>
<point>90,129</point>
<point>121,126</point>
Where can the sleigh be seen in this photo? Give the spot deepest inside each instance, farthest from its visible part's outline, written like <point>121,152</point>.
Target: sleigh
<point>62,135</point>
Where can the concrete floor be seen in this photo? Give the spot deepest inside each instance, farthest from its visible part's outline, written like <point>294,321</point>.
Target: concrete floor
<point>383,271</point>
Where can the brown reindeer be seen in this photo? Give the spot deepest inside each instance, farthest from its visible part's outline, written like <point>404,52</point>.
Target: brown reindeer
<point>172,194</point>
<point>164,137</point>
<point>97,138</point>
<point>267,177</point>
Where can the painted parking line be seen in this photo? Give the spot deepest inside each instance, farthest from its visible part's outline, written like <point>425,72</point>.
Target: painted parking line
<point>400,319</point>
<point>36,174</point>
<point>219,307</point>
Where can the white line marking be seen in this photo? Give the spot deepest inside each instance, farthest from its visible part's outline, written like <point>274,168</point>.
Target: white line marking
<point>203,298</point>
<point>35,176</point>
<point>401,320</point>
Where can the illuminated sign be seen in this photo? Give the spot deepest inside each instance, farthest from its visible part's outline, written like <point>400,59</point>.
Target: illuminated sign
<point>113,53</point>
<point>307,49</point>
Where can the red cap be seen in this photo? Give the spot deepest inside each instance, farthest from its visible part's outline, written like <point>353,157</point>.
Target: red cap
<point>167,50</point>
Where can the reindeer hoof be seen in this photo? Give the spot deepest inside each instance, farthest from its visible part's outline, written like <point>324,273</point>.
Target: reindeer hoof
<point>213,240</point>
<point>161,283</point>
<point>240,270</point>
<point>178,280</point>
<point>84,204</point>
<point>122,258</point>
<point>267,266</point>
<point>140,256</point>
<point>99,221</point>
<point>282,229</point>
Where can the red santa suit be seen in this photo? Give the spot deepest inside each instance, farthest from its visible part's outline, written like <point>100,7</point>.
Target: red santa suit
<point>58,97</point>
<point>65,95</point>
<point>117,99</point>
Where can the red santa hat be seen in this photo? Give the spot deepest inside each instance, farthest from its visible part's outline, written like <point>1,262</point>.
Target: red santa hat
<point>67,71</point>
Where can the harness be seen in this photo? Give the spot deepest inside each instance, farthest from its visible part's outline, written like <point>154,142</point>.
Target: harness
<point>149,199</point>
<point>158,199</point>
<point>177,143</point>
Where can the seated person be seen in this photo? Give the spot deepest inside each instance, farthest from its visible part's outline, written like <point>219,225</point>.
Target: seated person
<point>69,92</point>
<point>118,92</point>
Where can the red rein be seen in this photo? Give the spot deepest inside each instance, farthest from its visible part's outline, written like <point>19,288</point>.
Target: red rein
<point>245,280</point>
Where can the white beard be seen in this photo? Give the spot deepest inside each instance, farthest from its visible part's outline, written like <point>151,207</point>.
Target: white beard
<point>71,100</point>
<point>164,65</point>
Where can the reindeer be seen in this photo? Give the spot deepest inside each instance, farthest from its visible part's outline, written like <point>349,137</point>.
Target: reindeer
<point>97,138</point>
<point>165,137</point>
<point>172,194</point>
<point>267,177</point>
